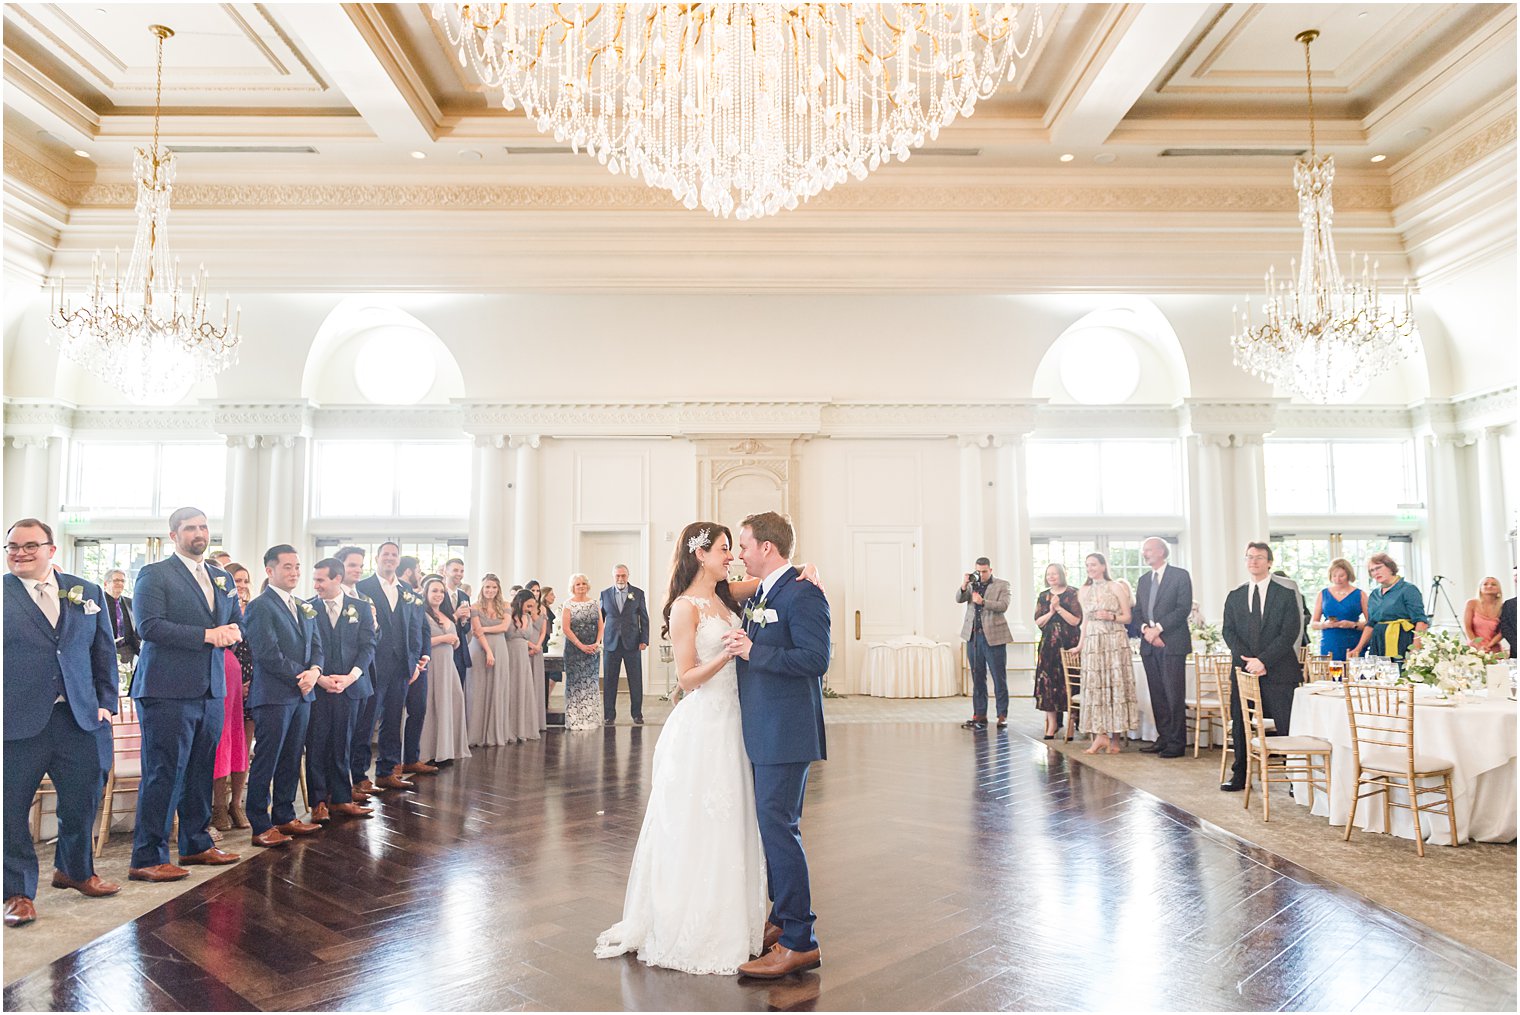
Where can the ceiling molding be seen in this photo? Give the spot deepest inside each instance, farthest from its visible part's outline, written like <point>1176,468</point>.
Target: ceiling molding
<point>1464,146</point>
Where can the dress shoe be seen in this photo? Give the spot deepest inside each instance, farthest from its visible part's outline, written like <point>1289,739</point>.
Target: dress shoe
<point>298,827</point>
<point>360,796</point>
<point>1002,722</point>
<point>780,961</point>
<point>639,721</point>
<point>419,768</point>
<point>394,782</point>
<point>319,813</point>
<point>212,857</point>
<point>19,910</point>
<point>772,936</point>
<point>353,810</point>
<point>271,837</point>
<point>365,787</point>
<point>608,722</point>
<point>91,886</point>
<point>158,872</point>
<point>1171,754</point>
<point>1152,749</point>
<point>976,722</point>
<point>1231,787</point>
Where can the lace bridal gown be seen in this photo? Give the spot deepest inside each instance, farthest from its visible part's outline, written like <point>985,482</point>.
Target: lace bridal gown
<point>696,897</point>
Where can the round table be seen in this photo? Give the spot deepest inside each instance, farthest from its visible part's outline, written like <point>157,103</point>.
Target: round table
<point>911,668</point>
<point>1477,737</point>
<point>1147,728</point>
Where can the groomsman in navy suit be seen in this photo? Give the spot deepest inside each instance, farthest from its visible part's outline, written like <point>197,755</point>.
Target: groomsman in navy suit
<point>783,652</point>
<point>1163,601</point>
<point>626,636</point>
<point>409,573</point>
<point>399,657</point>
<point>456,606</point>
<point>60,694</point>
<point>347,629</point>
<point>360,753</point>
<point>187,615</point>
<point>287,660</point>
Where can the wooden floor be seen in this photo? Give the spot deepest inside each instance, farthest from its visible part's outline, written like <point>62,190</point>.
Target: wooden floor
<point>950,870</point>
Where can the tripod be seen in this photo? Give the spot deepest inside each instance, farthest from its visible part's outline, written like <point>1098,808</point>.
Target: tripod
<point>1437,593</point>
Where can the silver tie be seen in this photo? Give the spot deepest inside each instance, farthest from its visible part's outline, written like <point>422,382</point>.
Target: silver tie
<point>204,581</point>
<point>47,601</point>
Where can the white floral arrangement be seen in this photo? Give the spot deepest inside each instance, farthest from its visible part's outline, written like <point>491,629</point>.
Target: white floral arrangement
<point>1446,662</point>
<point>1207,638</point>
<point>124,676</point>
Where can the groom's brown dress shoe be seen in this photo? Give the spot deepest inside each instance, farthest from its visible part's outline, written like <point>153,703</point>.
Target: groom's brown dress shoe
<point>772,936</point>
<point>779,962</point>
<point>19,910</point>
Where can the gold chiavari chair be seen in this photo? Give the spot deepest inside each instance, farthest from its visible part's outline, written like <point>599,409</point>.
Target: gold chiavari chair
<point>1302,652</point>
<point>1316,668</point>
<point>1210,708</point>
<point>126,767</point>
<point>1382,747</point>
<point>1071,666</point>
<point>1273,757</point>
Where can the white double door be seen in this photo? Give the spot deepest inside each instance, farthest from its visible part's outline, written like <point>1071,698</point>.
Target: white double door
<point>883,600</point>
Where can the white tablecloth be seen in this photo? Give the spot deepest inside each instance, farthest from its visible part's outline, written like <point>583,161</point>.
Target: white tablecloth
<point>1477,737</point>
<point>911,669</point>
<point>1147,730</point>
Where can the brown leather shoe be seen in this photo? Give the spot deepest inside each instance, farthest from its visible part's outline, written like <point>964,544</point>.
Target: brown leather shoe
<point>361,795</point>
<point>212,857</point>
<point>91,886</point>
<point>419,768</point>
<point>779,962</point>
<point>772,936</point>
<point>394,782</point>
<point>352,810</point>
<point>365,787</point>
<point>271,837</point>
<point>158,872</point>
<point>319,813</point>
<point>299,827</point>
<point>19,910</point>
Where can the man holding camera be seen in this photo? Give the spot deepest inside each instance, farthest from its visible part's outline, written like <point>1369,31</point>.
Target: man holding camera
<point>986,635</point>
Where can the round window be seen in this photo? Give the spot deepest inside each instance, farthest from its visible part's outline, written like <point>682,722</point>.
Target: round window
<point>395,365</point>
<point>1099,365</point>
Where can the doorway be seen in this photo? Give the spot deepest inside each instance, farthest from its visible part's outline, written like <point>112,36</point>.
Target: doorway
<point>883,599</point>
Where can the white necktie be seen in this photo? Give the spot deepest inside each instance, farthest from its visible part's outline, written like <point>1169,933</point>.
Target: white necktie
<point>47,602</point>
<point>204,581</point>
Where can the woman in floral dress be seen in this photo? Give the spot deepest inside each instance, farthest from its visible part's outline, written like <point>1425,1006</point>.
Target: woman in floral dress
<point>1058,615</point>
<point>581,618</point>
<point>1109,707</point>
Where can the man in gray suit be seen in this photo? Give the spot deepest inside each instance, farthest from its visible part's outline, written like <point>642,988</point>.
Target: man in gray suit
<point>986,635</point>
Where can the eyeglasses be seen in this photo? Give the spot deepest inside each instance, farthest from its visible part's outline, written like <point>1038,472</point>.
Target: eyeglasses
<point>15,548</point>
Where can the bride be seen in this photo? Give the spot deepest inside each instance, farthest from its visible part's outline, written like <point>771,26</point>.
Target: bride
<point>697,898</point>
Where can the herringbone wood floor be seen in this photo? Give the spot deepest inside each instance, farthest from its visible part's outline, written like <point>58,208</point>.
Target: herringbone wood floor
<point>950,871</point>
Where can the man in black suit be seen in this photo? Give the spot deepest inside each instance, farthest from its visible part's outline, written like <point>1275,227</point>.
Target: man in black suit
<point>456,606</point>
<point>1162,604</point>
<point>1507,620</point>
<point>626,637</point>
<point>1261,626</point>
<point>119,609</point>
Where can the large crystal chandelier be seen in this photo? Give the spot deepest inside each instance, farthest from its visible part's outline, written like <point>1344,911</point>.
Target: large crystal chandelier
<point>1327,336</point>
<point>742,108</point>
<point>149,332</point>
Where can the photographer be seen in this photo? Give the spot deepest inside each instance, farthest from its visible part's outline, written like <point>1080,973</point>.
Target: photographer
<point>986,635</point>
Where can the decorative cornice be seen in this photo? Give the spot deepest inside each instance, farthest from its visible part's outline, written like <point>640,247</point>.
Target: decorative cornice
<point>1475,148</point>
<point>928,419</point>
<point>1328,420</point>
<point>365,420</point>
<point>23,167</point>
<point>263,419</point>
<point>1084,420</point>
<point>27,419</point>
<point>1485,409</point>
<point>1239,419</point>
<point>119,421</point>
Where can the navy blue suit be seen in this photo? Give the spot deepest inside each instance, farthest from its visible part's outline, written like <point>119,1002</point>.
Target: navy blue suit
<point>417,690</point>
<point>329,737</point>
<point>397,652</point>
<point>781,704</point>
<point>1166,667</point>
<point>623,632</point>
<point>64,740</point>
<point>282,650</point>
<point>179,686</point>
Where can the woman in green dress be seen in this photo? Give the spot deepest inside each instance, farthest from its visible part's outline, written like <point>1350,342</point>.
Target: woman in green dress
<point>1395,612</point>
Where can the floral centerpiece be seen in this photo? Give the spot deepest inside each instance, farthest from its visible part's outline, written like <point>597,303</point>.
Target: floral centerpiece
<point>1207,639</point>
<point>124,676</point>
<point>1446,662</point>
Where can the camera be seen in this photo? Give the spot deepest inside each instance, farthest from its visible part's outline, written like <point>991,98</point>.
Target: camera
<point>976,584</point>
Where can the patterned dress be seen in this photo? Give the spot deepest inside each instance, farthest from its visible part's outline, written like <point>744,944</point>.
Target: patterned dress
<point>1108,676</point>
<point>583,684</point>
<point>1057,634</point>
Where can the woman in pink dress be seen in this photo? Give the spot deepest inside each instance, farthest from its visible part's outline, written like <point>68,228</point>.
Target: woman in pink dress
<point>1480,621</point>
<point>230,770</point>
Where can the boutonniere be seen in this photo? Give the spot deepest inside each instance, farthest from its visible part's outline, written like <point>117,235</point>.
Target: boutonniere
<point>631,597</point>
<point>74,595</point>
<point>307,610</point>
<point>759,615</point>
<point>221,582</point>
<point>352,613</point>
<point>409,599</point>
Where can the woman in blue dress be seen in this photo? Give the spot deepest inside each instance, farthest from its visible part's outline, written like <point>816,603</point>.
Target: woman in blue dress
<point>1340,612</point>
<point>1395,612</point>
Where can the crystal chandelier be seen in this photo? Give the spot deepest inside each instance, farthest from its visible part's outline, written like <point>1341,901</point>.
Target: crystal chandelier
<point>148,332</point>
<point>1328,336</point>
<point>747,108</point>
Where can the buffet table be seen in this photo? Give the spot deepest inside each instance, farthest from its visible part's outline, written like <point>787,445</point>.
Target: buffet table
<point>911,668</point>
<point>1476,736</point>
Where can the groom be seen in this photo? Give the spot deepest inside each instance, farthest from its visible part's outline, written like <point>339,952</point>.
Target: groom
<point>783,650</point>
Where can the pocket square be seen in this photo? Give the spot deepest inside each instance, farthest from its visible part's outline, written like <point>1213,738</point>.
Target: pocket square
<point>91,607</point>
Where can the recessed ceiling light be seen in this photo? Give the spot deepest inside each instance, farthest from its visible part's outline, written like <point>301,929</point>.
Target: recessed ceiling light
<point>81,153</point>
<point>1378,158</point>
<point>1417,134</point>
<point>1105,158</point>
<point>471,155</point>
<point>419,155</point>
<point>1067,157</point>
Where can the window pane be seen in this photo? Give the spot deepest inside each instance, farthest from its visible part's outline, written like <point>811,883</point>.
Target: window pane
<point>1298,478</point>
<point>1069,553</point>
<point>1124,562</point>
<point>1369,478</point>
<point>355,478</point>
<point>1140,477</point>
<point>115,479</point>
<point>1063,478</point>
<point>425,490</point>
<point>193,474</point>
<point>92,559</point>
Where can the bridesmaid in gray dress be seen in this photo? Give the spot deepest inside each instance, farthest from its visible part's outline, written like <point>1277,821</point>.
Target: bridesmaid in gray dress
<point>581,620</point>
<point>490,679</point>
<point>537,635</point>
<point>522,703</point>
<point>443,728</point>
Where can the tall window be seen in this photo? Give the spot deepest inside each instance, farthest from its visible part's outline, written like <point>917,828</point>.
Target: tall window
<point>1123,555</point>
<point>1352,477</point>
<point>1120,477</point>
<point>389,479</point>
<point>126,480</point>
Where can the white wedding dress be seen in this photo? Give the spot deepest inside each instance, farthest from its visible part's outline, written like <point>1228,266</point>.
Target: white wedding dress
<point>697,899</point>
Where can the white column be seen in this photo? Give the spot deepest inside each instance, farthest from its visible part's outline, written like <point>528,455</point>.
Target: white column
<point>488,532</point>
<point>1250,488</point>
<point>1212,547</point>
<point>1446,513</point>
<point>280,508</point>
<point>1015,557</point>
<point>1496,515</point>
<point>26,488</point>
<point>525,534</point>
<point>973,531</point>
<point>240,517</point>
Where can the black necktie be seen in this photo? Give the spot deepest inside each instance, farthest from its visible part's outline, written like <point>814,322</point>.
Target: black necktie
<point>1255,627</point>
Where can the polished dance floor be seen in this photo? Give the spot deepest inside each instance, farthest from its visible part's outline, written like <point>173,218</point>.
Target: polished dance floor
<point>950,871</point>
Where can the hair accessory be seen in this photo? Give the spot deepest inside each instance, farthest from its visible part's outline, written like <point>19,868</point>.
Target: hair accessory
<point>701,541</point>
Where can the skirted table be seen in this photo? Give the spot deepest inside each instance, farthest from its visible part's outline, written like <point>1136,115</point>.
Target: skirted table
<point>911,668</point>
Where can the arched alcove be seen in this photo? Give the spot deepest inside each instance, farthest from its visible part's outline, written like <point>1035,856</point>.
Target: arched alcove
<point>1125,351</point>
<point>370,352</point>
